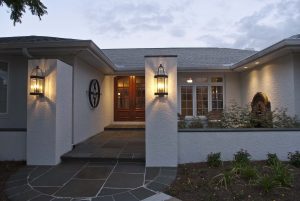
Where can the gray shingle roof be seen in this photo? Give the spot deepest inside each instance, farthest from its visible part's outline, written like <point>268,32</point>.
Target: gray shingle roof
<point>188,58</point>
<point>32,39</point>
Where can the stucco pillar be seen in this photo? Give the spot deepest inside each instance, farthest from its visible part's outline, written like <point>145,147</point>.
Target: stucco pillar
<point>161,114</point>
<point>49,118</point>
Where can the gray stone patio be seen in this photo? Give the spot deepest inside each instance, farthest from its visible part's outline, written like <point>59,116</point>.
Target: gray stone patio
<point>126,145</point>
<point>93,181</point>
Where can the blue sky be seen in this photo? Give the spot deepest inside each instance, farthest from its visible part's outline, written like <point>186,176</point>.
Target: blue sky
<point>170,23</point>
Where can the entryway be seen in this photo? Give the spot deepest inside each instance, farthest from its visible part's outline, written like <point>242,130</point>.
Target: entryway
<point>125,143</point>
<point>129,98</point>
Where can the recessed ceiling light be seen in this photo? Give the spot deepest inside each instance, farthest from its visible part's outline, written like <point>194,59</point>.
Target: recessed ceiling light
<point>189,80</point>
<point>245,67</point>
<point>257,62</point>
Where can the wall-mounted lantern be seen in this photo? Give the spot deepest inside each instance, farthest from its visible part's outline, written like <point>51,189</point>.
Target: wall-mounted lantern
<point>189,80</point>
<point>161,82</point>
<point>37,82</point>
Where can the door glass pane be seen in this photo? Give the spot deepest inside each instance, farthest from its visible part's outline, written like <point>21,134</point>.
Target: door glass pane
<point>3,86</point>
<point>202,100</point>
<point>123,93</point>
<point>139,92</point>
<point>187,100</point>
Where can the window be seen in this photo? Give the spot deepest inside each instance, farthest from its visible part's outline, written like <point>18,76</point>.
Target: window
<point>217,98</point>
<point>187,100</point>
<point>202,96</point>
<point>202,100</point>
<point>3,86</point>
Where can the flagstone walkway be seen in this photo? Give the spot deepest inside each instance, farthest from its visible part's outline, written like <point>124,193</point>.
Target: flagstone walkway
<point>90,181</point>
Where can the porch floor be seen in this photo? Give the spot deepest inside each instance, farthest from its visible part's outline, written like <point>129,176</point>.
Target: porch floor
<point>122,145</point>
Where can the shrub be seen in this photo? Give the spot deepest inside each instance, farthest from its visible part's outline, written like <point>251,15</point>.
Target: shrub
<point>249,172</point>
<point>272,159</point>
<point>267,183</point>
<point>236,116</point>
<point>281,174</point>
<point>241,158</point>
<point>195,123</point>
<point>282,120</point>
<point>223,179</point>
<point>294,158</point>
<point>214,159</point>
<point>182,124</point>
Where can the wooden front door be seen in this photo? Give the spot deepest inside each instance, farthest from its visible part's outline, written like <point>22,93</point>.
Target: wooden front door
<point>129,98</point>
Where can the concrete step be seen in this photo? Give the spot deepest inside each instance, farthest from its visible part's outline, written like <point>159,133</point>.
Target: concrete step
<point>65,158</point>
<point>125,127</point>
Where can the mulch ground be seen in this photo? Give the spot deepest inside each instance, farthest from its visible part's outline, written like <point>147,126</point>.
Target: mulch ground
<point>6,169</point>
<point>194,183</point>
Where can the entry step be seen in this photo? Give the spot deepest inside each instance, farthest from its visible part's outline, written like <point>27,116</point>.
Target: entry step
<point>125,127</point>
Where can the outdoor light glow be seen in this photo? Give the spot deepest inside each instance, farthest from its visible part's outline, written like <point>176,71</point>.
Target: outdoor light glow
<point>189,80</point>
<point>245,67</point>
<point>37,80</point>
<point>257,62</point>
<point>161,82</point>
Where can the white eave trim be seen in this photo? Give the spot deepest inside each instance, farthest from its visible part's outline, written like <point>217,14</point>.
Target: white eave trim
<point>284,44</point>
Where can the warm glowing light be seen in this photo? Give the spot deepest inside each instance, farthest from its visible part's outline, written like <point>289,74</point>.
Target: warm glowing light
<point>37,80</point>
<point>257,62</point>
<point>161,82</point>
<point>190,81</point>
<point>119,94</point>
<point>245,67</point>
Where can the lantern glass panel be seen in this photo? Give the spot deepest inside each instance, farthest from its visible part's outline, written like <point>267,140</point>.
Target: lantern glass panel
<point>37,85</point>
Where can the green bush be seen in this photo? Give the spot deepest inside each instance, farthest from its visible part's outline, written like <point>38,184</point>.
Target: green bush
<point>281,174</point>
<point>294,158</point>
<point>181,124</point>
<point>249,172</point>
<point>241,158</point>
<point>223,179</point>
<point>214,159</point>
<point>236,116</point>
<point>195,123</point>
<point>267,183</point>
<point>272,159</point>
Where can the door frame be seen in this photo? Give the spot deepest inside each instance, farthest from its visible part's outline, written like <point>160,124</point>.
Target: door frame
<point>132,111</point>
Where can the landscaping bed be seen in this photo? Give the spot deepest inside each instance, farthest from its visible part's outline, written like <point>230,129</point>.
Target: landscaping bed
<point>270,180</point>
<point>6,169</point>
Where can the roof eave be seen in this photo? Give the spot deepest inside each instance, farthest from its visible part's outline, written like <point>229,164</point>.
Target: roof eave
<point>74,45</point>
<point>284,44</point>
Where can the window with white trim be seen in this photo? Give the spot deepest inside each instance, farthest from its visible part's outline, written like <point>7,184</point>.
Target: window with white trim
<point>199,98</point>
<point>187,100</point>
<point>3,87</point>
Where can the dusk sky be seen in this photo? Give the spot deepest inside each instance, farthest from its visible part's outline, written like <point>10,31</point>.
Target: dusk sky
<point>170,23</point>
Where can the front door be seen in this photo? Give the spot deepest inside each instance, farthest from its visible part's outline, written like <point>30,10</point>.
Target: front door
<point>129,98</point>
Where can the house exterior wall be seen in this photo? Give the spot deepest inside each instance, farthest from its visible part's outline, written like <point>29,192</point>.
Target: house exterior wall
<point>161,115</point>
<point>13,124</point>
<point>297,83</point>
<point>49,118</point>
<point>275,79</point>
<point>17,92</point>
<point>12,145</point>
<point>87,121</point>
<point>195,146</point>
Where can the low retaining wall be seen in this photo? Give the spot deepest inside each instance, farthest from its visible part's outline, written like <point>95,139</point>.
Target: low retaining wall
<point>12,144</point>
<point>195,145</point>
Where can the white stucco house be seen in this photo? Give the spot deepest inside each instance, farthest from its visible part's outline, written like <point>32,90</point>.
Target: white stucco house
<point>39,129</point>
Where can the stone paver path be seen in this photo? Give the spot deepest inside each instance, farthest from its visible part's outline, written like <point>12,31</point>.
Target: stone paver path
<point>93,181</point>
<point>126,144</point>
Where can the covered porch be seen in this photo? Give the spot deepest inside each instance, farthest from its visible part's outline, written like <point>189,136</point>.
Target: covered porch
<point>122,142</point>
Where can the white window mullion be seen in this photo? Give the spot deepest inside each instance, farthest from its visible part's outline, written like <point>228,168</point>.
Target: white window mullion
<point>194,101</point>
